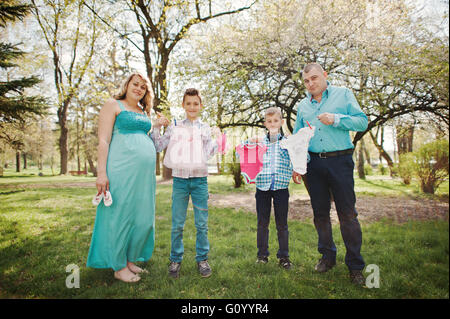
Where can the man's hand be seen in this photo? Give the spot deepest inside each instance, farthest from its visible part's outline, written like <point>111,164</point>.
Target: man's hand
<point>326,118</point>
<point>296,177</point>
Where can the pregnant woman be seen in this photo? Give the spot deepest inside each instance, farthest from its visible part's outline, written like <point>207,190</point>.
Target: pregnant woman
<point>124,232</point>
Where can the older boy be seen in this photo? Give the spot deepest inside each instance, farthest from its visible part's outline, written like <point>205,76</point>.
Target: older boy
<point>189,180</point>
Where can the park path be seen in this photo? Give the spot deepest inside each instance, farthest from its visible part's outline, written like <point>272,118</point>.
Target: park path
<point>370,208</point>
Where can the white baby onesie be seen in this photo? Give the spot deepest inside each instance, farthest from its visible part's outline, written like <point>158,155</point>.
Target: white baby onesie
<point>297,146</point>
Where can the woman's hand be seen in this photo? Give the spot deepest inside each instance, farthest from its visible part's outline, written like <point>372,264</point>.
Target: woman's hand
<point>102,184</point>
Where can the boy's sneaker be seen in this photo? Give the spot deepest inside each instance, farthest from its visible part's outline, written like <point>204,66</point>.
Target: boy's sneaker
<point>107,200</point>
<point>97,199</point>
<point>285,263</point>
<point>204,268</point>
<point>262,260</point>
<point>324,265</point>
<point>357,278</point>
<point>174,269</point>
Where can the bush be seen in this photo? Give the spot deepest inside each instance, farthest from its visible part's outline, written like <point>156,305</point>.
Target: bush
<point>406,167</point>
<point>368,169</point>
<point>234,167</point>
<point>382,169</point>
<point>431,165</point>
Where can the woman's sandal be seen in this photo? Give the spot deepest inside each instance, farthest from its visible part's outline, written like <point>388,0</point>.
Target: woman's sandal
<point>135,278</point>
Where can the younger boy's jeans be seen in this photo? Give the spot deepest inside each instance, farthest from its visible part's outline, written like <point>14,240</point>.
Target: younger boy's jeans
<point>263,208</point>
<point>197,188</point>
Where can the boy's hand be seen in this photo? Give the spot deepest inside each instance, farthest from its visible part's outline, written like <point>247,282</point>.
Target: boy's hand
<point>161,120</point>
<point>296,177</point>
<point>215,131</point>
<point>257,139</point>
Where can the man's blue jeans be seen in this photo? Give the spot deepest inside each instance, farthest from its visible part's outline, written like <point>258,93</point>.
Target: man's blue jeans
<point>335,174</point>
<point>197,188</point>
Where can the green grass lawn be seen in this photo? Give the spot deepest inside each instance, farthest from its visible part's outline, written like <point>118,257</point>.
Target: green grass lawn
<point>44,229</point>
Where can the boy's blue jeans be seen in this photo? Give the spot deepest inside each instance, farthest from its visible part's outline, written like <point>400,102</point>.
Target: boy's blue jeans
<point>197,188</point>
<point>281,208</point>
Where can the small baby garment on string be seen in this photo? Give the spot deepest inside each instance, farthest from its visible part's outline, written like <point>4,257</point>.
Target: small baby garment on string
<point>185,149</point>
<point>222,143</point>
<point>251,158</point>
<point>297,146</point>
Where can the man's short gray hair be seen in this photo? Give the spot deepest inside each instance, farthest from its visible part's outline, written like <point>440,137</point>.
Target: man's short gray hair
<point>273,110</point>
<point>311,66</point>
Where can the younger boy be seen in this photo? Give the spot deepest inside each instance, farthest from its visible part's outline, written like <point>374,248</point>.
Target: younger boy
<point>272,183</point>
<point>188,180</point>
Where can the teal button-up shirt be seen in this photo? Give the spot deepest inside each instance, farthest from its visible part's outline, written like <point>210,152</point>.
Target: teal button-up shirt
<point>348,116</point>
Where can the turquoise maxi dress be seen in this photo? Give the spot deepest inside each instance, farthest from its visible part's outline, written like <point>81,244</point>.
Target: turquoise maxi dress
<point>125,231</point>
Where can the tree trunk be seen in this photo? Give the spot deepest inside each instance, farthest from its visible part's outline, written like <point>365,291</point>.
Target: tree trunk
<point>405,135</point>
<point>158,164</point>
<point>361,173</point>
<point>381,143</point>
<point>427,187</point>
<point>167,172</point>
<point>24,155</point>
<point>92,167</point>
<point>63,149</point>
<point>366,153</point>
<point>78,144</point>
<point>40,161</point>
<point>17,161</point>
<point>382,152</point>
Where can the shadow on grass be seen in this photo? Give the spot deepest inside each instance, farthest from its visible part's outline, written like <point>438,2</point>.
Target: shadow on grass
<point>12,192</point>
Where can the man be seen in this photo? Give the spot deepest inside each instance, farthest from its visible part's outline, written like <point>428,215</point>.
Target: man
<point>334,112</point>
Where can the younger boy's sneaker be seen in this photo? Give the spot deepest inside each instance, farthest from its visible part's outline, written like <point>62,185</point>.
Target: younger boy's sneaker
<point>174,269</point>
<point>107,200</point>
<point>262,260</point>
<point>97,199</point>
<point>357,278</point>
<point>204,268</point>
<point>285,263</point>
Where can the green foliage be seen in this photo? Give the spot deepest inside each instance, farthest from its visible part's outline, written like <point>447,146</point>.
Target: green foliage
<point>14,104</point>
<point>432,164</point>
<point>368,170</point>
<point>406,167</point>
<point>382,169</point>
<point>234,167</point>
<point>10,11</point>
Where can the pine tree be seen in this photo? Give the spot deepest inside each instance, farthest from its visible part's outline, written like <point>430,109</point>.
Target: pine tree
<point>15,106</point>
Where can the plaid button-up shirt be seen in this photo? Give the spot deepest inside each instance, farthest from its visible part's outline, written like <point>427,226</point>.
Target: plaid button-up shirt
<point>277,167</point>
